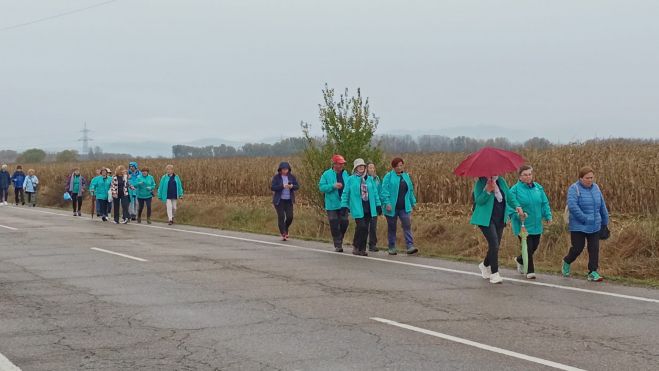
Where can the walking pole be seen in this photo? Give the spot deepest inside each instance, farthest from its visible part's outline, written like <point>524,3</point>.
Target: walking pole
<point>525,250</point>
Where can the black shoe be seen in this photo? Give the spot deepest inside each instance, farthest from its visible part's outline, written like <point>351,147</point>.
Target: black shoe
<point>133,218</point>
<point>104,219</point>
<point>356,252</point>
<point>139,220</point>
<point>373,249</point>
<point>412,250</point>
<point>170,222</point>
<point>338,249</point>
<point>363,253</point>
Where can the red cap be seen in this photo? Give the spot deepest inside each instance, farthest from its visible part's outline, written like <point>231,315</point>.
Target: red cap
<point>338,159</point>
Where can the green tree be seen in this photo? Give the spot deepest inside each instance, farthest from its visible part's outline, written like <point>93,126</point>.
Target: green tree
<point>348,128</point>
<point>32,156</point>
<point>68,155</point>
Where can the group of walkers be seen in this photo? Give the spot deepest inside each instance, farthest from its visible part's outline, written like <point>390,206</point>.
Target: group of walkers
<point>129,191</point>
<point>364,196</point>
<point>25,186</point>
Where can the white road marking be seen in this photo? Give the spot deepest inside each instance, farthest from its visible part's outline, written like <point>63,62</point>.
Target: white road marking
<point>449,270</point>
<point>119,254</point>
<point>6,365</point>
<point>10,228</point>
<point>490,348</point>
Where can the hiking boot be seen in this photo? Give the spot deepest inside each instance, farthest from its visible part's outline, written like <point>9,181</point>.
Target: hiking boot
<point>486,272</point>
<point>595,277</point>
<point>565,269</point>
<point>496,278</point>
<point>412,250</point>
<point>520,266</point>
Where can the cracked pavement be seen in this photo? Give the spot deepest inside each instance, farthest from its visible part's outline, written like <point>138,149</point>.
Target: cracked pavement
<point>204,302</point>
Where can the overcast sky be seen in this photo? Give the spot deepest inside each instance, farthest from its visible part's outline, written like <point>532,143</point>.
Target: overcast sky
<point>180,70</point>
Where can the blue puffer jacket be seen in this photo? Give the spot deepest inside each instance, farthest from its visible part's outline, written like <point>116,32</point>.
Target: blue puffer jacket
<point>18,179</point>
<point>588,211</point>
<point>5,179</point>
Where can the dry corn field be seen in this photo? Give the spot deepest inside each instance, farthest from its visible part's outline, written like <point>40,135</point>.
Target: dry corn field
<point>627,174</point>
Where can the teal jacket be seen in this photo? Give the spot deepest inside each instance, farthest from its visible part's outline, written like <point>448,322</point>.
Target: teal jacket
<point>352,196</point>
<point>390,186</point>
<point>145,186</point>
<point>534,202</point>
<point>162,187</point>
<point>378,185</point>
<point>326,185</point>
<point>484,202</point>
<point>99,187</point>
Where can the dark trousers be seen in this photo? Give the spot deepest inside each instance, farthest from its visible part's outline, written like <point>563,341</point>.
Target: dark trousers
<point>579,242</point>
<point>4,193</point>
<point>392,225</point>
<point>362,228</point>
<point>338,221</point>
<point>141,202</point>
<point>532,243</point>
<point>493,234</point>
<point>102,207</point>
<point>284,215</point>
<point>76,201</point>
<point>19,193</point>
<point>373,234</point>
<point>31,197</point>
<point>123,202</point>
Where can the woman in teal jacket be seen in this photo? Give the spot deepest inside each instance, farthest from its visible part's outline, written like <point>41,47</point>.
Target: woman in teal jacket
<point>535,204</point>
<point>170,190</point>
<point>373,228</point>
<point>492,198</point>
<point>331,184</point>
<point>144,191</point>
<point>361,197</point>
<point>399,200</point>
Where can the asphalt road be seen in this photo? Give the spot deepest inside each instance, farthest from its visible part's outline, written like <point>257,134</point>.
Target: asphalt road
<point>186,298</point>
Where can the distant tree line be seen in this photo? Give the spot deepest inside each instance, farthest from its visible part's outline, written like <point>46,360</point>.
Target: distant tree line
<point>285,147</point>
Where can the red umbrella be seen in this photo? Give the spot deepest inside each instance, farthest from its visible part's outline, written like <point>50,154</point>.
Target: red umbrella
<point>488,162</point>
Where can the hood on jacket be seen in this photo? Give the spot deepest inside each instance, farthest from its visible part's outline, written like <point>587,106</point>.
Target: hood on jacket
<point>284,165</point>
<point>133,163</point>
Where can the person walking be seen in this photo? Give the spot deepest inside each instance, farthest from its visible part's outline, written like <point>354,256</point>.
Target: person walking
<point>492,198</point>
<point>331,184</point>
<point>144,191</point>
<point>533,200</point>
<point>75,186</point>
<point>119,189</point>
<point>284,185</point>
<point>5,181</point>
<point>30,185</point>
<point>18,179</point>
<point>99,188</point>
<point>133,177</point>
<point>587,216</point>
<point>361,197</point>
<point>170,190</point>
<point>399,200</point>
<point>373,227</point>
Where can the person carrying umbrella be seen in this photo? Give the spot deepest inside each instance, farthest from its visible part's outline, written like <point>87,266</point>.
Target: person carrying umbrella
<point>533,200</point>
<point>492,198</point>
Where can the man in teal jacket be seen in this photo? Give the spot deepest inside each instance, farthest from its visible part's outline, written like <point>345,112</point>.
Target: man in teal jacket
<point>361,196</point>
<point>533,200</point>
<point>332,183</point>
<point>399,200</point>
<point>99,188</point>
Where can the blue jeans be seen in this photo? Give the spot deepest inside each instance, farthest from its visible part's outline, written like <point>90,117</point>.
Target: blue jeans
<point>406,221</point>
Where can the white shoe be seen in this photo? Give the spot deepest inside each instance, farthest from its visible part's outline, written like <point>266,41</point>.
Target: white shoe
<point>530,276</point>
<point>496,278</point>
<point>486,272</point>
<point>5,203</point>
<point>520,267</point>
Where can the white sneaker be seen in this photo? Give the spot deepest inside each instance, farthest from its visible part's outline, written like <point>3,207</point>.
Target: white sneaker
<point>5,203</point>
<point>486,272</point>
<point>496,278</point>
<point>530,276</point>
<point>520,267</point>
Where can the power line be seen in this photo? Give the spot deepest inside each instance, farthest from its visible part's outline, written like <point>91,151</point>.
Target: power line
<point>7,28</point>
